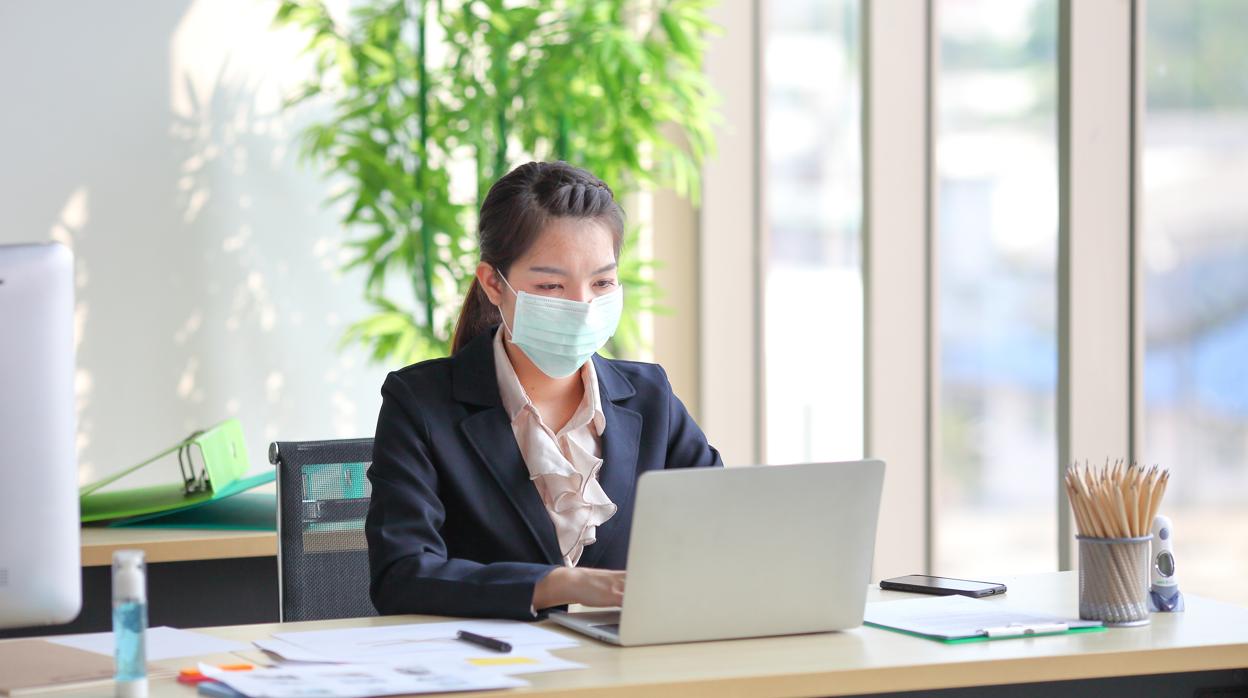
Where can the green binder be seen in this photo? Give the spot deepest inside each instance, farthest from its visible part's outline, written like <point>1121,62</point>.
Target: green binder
<point>233,511</point>
<point>222,459</point>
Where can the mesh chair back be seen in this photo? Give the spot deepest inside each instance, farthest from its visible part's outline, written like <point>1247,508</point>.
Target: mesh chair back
<point>322,495</point>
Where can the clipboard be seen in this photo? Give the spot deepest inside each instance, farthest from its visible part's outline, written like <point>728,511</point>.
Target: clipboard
<point>216,473</point>
<point>960,619</point>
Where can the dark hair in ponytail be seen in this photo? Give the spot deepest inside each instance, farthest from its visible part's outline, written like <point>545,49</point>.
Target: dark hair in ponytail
<point>515,211</point>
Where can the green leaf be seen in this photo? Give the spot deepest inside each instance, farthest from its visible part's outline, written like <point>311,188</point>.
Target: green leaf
<point>676,33</point>
<point>378,55</point>
<point>346,63</point>
<point>500,23</point>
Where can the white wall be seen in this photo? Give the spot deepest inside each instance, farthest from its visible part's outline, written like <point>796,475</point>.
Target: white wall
<point>149,137</point>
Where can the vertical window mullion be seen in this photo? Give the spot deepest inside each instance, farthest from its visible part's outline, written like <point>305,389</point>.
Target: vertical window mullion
<point>1096,127</point>
<point>896,283</point>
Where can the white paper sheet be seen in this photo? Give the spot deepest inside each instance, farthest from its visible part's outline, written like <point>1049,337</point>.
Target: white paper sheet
<point>355,680</point>
<point>289,652</point>
<point>161,643</point>
<point>376,643</point>
<point>516,663</point>
<point>956,616</point>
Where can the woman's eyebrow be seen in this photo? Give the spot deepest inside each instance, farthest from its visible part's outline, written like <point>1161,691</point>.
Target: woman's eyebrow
<point>560,272</point>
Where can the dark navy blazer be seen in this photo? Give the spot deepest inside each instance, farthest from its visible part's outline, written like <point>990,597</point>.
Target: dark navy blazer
<point>455,526</point>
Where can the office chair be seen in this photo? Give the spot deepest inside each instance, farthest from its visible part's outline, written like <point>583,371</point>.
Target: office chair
<point>322,499</point>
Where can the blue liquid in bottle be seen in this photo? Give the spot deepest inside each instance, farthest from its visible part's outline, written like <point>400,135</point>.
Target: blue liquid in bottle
<point>129,624</point>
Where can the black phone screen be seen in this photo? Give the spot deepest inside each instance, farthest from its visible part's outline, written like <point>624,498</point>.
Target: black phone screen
<point>923,580</point>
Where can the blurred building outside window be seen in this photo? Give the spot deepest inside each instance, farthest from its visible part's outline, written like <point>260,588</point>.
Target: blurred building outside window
<point>995,485</point>
<point>1194,259</point>
<point>812,174</point>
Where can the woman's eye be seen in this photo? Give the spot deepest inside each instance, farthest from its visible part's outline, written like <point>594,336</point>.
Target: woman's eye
<point>547,287</point>
<point>605,283</point>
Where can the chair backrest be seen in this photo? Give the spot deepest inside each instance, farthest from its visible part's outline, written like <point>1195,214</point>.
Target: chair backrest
<point>322,499</point>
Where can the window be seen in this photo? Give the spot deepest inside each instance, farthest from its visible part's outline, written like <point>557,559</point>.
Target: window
<point>1194,241</point>
<point>813,207</point>
<point>995,486</point>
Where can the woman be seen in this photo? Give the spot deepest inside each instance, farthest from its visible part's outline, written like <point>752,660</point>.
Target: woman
<point>503,475</point>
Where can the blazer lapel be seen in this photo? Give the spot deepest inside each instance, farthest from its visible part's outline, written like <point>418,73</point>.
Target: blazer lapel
<point>489,431</point>
<point>620,442</point>
<point>491,436</point>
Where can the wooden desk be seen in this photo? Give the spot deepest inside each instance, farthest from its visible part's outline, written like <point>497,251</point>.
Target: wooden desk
<point>1210,636</point>
<point>175,544</point>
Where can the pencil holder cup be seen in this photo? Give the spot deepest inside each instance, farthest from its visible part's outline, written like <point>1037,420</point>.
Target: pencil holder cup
<point>1113,580</point>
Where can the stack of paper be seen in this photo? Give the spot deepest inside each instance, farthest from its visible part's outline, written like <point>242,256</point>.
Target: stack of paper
<point>355,680</point>
<point>393,659</point>
<point>433,643</point>
<point>348,663</point>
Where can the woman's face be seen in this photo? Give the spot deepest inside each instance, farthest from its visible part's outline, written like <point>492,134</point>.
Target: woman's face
<point>573,259</point>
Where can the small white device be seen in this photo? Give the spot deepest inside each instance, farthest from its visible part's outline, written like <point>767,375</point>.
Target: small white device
<point>1163,594</point>
<point>722,553</point>
<point>40,575</point>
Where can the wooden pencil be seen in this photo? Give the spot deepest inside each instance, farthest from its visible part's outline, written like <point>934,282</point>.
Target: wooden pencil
<point>1115,500</point>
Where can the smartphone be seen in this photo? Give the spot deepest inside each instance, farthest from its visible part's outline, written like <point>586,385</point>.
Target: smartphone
<point>942,586</point>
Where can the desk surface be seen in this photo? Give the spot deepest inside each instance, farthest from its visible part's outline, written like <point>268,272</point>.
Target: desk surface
<point>174,544</point>
<point>1211,635</point>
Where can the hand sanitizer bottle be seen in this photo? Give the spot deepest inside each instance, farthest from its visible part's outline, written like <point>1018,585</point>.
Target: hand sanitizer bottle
<point>130,623</point>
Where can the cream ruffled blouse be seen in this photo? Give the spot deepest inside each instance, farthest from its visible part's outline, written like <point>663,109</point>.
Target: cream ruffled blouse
<point>564,466</point>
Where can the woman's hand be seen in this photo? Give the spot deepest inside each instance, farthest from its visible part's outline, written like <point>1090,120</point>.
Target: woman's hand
<point>583,585</point>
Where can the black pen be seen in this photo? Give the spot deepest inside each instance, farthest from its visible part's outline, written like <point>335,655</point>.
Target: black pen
<point>483,641</point>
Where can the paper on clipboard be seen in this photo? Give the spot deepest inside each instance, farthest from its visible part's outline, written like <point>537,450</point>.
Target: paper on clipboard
<point>953,618</point>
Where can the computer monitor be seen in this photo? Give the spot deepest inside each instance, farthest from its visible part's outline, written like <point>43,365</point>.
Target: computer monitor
<point>40,571</point>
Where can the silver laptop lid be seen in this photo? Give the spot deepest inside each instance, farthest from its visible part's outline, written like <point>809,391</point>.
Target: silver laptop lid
<point>747,552</point>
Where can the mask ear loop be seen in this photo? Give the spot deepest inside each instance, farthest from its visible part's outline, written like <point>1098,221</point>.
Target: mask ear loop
<point>509,334</point>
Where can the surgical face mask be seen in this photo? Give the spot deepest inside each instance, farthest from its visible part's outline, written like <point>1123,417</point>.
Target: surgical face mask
<point>560,335</point>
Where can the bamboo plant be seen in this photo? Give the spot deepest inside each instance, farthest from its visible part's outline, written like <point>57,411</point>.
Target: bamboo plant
<point>430,102</point>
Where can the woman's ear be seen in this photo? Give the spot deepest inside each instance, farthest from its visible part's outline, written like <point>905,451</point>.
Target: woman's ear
<point>487,278</point>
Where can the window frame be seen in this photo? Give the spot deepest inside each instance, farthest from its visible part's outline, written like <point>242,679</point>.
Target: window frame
<point>1100,108</point>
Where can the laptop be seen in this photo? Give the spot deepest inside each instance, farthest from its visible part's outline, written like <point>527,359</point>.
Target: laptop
<point>724,553</point>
